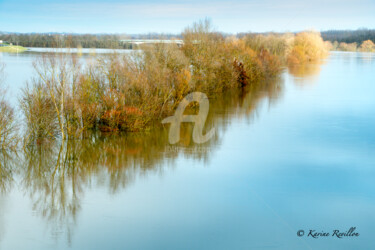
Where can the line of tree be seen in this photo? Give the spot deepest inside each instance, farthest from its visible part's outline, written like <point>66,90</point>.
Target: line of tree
<point>62,40</point>
<point>66,40</point>
<point>113,41</point>
<point>349,36</point>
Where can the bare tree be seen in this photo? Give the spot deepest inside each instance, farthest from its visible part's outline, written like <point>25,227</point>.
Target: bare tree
<point>59,73</point>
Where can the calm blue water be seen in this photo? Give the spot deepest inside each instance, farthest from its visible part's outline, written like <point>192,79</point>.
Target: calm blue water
<point>298,155</point>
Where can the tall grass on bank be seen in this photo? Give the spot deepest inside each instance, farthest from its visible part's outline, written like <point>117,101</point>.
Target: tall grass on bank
<point>129,92</point>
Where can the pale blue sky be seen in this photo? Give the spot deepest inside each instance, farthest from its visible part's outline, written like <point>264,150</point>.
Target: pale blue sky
<point>168,16</point>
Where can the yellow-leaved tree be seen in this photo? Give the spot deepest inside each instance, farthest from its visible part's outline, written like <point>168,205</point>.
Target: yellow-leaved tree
<point>307,46</point>
<point>368,46</point>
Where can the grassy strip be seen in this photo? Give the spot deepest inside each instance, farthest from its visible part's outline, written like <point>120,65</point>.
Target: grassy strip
<point>12,49</point>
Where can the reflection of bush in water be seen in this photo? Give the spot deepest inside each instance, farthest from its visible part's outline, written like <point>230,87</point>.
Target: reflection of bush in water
<point>7,169</point>
<point>142,152</point>
<point>305,73</point>
<point>305,70</point>
<point>55,175</point>
<point>8,126</point>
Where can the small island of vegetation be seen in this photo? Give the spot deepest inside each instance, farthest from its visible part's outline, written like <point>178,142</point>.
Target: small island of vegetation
<point>131,92</point>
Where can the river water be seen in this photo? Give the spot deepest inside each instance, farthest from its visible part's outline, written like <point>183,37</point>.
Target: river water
<point>296,153</point>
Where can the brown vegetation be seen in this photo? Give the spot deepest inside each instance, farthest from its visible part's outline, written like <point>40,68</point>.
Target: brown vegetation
<point>128,92</point>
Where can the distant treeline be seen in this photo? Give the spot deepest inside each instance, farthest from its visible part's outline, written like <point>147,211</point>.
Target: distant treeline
<point>349,36</point>
<point>65,41</point>
<point>109,41</point>
<point>350,40</point>
<point>113,41</point>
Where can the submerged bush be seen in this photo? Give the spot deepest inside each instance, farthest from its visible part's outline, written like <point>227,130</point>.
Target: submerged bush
<point>39,113</point>
<point>275,44</point>
<point>254,66</point>
<point>141,87</point>
<point>48,103</point>
<point>307,47</point>
<point>210,57</point>
<point>219,64</point>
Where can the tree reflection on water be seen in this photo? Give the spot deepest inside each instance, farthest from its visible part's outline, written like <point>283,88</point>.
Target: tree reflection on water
<point>55,174</point>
